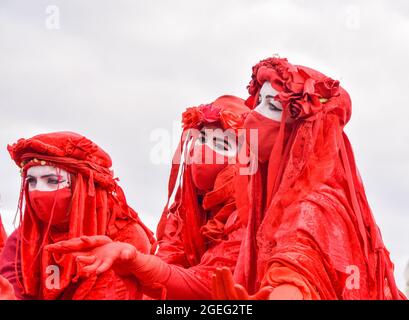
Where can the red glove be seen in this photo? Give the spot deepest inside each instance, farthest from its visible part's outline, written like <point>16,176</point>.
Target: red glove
<point>6,290</point>
<point>224,288</point>
<point>98,254</point>
<point>81,244</point>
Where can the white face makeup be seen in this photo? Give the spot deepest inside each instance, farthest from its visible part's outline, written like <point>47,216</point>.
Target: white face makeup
<point>47,178</point>
<point>222,142</point>
<point>267,106</point>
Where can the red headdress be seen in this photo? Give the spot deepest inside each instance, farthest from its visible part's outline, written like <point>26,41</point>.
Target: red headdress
<point>98,205</point>
<point>227,112</point>
<point>316,219</point>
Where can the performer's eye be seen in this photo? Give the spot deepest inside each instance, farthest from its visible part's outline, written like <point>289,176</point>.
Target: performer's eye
<point>272,103</point>
<point>219,144</point>
<point>273,107</point>
<point>202,137</point>
<point>31,181</point>
<point>55,181</point>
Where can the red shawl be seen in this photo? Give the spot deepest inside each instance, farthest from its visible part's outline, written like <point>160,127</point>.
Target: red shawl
<point>98,207</point>
<point>227,112</point>
<point>317,220</point>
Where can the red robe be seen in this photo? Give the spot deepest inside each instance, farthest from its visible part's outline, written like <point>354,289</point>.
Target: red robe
<point>98,207</point>
<point>221,232</point>
<point>317,232</point>
<point>107,286</point>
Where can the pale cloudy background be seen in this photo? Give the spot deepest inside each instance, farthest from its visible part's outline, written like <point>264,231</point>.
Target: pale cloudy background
<point>117,71</point>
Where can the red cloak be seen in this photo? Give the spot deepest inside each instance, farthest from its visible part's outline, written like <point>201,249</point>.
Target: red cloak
<point>199,233</point>
<point>98,207</point>
<point>317,228</point>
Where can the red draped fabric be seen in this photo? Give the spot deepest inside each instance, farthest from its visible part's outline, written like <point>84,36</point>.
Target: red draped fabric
<point>201,232</point>
<point>98,207</point>
<point>317,226</point>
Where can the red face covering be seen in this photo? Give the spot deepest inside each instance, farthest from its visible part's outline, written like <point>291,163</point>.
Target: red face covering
<point>205,167</point>
<point>267,133</point>
<point>51,206</point>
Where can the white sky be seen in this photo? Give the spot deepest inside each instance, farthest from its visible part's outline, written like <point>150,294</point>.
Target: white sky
<point>116,71</point>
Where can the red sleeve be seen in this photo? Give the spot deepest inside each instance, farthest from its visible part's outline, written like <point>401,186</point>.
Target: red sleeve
<point>194,283</point>
<point>109,285</point>
<point>279,276</point>
<point>8,265</point>
<point>171,249</point>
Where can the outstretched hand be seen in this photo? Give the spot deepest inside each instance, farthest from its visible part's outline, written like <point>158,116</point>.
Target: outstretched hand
<point>97,254</point>
<point>84,243</point>
<point>6,290</point>
<point>224,288</point>
<point>117,255</point>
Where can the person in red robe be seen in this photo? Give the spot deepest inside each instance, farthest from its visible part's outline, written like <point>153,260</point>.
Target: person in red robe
<point>68,190</point>
<point>310,231</point>
<point>201,230</point>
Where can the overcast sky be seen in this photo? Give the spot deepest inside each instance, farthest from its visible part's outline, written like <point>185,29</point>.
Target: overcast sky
<point>117,71</point>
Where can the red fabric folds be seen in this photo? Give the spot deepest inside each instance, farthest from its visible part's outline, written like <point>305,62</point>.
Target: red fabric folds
<point>317,221</point>
<point>201,231</point>
<point>98,207</point>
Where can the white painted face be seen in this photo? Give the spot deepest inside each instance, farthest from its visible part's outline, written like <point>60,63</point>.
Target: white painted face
<point>267,106</point>
<point>47,178</point>
<point>220,141</point>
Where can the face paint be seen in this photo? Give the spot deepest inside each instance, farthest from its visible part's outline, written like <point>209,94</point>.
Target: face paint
<point>267,133</point>
<point>267,105</point>
<point>266,120</point>
<point>205,168</point>
<point>222,142</point>
<point>47,178</point>
<point>49,193</point>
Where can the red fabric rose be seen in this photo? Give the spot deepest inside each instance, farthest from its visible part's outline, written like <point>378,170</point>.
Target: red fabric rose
<point>327,88</point>
<point>231,120</point>
<point>210,113</point>
<point>298,90</point>
<point>191,118</point>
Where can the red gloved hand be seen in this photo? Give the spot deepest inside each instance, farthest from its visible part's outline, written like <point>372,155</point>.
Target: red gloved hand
<point>6,290</point>
<point>126,260</point>
<point>98,254</point>
<point>224,288</point>
<point>120,256</point>
<point>80,244</point>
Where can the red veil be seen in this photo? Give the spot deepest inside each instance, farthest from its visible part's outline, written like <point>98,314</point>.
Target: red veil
<point>98,207</point>
<point>196,229</point>
<point>317,221</point>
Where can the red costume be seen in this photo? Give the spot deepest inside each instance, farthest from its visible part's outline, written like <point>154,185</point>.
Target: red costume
<point>307,206</point>
<point>201,231</point>
<point>97,206</point>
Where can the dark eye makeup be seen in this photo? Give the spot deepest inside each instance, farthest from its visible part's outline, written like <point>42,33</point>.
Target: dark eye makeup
<point>222,144</point>
<point>202,137</point>
<point>273,107</point>
<point>55,181</point>
<point>51,179</point>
